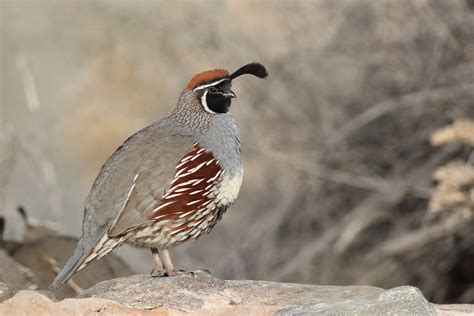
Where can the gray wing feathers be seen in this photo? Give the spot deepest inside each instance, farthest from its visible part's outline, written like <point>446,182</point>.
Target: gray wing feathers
<point>135,178</point>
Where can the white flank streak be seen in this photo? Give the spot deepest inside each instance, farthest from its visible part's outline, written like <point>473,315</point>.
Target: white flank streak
<point>172,196</point>
<point>193,202</point>
<point>215,177</point>
<point>180,185</point>
<point>186,158</point>
<point>186,214</point>
<point>174,180</point>
<point>186,183</point>
<point>184,175</point>
<point>198,181</point>
<point>181,164</point>
<point>200,150</point>
<point>180,172</point>
<point>182,190</point>
<point>209,186</point>
<point>209,84</point>
<point>195,192</point>
<point>209,162</point>
<point>204,103</point>
<point>196,156</point>
<point>197,168</point>
<point>161,206</point>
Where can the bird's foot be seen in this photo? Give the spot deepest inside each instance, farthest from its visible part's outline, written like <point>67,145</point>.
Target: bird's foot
<point>200,271</point>
<point>160,273</point>
<point>195,273</point>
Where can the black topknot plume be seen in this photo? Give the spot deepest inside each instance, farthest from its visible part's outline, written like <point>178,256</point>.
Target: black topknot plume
<point>256,69</point>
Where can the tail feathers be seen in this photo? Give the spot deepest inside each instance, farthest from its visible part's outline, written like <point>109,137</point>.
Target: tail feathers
<point>78,257</point>
<point>82,256</point>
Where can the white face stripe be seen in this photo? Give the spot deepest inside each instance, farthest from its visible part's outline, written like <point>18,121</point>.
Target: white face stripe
<point>210,84</point>
<point>204,103</point>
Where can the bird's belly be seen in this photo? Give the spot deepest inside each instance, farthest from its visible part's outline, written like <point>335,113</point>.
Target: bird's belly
<point>228,190</point>
<point>182,227</point>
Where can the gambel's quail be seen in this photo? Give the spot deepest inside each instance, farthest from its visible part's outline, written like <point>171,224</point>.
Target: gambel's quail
<point>169,182</point>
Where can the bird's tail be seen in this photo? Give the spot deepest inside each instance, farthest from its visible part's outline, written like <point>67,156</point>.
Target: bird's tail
<point>72,265</point>
<point>86,251</point>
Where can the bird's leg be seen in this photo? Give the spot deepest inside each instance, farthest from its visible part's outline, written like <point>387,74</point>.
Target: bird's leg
<point>159,271</point>
<point>164,255</point>
<point>170,270</point>
<point>164,265</point>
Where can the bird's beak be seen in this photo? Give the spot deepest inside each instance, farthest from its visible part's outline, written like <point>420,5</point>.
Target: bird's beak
<point>230,95</point>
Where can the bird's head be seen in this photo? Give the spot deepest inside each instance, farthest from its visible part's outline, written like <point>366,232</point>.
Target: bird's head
<point>212,88</point>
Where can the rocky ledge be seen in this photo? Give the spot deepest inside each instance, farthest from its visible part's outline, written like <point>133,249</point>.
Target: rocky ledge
<point>202,294</point>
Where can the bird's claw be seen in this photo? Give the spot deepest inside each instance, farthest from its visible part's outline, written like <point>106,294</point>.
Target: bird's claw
<point>163,273</point>
<point>158,273</point>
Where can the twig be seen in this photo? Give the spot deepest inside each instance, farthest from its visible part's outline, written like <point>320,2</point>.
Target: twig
<point>56,269</point>
<point>393,105</point>
<point>417,239</point>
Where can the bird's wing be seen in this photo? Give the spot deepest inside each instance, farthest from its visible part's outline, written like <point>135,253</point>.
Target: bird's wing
<point>173,183</point>
<point>134,178</point>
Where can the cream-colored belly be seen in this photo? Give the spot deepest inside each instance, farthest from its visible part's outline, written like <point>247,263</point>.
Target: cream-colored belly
<point>228,189</point>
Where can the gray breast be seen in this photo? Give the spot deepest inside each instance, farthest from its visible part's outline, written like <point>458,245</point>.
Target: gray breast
<point>222,138</point>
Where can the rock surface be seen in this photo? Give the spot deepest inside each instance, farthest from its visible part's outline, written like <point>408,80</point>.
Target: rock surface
<point>13,273</point>
<point>33,303</point>
<point>34,262</point>
<point>46,255</point>
<point>6,291</point>
<point>202,294</point>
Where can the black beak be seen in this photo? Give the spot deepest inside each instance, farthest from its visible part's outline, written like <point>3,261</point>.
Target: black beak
<point>229,95</point>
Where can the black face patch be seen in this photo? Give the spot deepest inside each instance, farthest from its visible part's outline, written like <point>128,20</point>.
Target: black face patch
<point>216,98</point>
<point>217,102</point>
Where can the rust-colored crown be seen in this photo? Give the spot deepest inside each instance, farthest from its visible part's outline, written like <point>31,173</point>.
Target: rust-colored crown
<point>206,77</point>
<point>256,69</point>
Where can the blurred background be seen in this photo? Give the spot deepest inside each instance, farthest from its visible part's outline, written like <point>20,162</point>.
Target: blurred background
<point>358,148</point>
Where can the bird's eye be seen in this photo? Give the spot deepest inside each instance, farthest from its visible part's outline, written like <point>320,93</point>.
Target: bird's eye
<point>213,89</point>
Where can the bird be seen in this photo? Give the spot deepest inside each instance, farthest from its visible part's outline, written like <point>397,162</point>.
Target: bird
<point>171,181</point>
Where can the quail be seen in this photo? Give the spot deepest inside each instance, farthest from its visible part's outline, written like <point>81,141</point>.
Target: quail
<point>171,181</point>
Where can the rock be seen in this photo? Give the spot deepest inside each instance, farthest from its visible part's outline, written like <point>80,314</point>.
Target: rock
<point>33,303</point>
<point>6,291</point>
<point>404,300</point>
<point>34,262</point>
<point>202,294</point>
<point>454,310</point>
<point>13,273</point>
<point>47,255</point>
